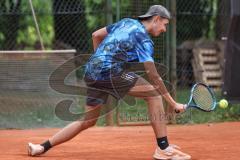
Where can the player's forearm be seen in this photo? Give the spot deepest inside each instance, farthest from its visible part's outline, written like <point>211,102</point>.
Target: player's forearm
<point>169,99</point>
<point>161,88</point>
<point>157,81</point>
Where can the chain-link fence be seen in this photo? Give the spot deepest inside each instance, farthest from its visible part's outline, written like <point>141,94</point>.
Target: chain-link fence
<point>69,23</point>
<point>201,27</point>
<point>62,24</point>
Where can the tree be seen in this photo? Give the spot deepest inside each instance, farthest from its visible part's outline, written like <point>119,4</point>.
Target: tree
<point>192,19</point>
<point>9,23</point>
<point>70,25</point>
<point>223,18</point>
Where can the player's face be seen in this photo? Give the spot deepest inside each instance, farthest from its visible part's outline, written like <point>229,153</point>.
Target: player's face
<point>159,25</point>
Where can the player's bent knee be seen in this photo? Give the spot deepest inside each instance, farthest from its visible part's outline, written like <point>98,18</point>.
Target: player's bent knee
<point>90,123</point>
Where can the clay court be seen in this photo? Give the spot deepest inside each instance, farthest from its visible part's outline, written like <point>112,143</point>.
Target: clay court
<point>204,142</point>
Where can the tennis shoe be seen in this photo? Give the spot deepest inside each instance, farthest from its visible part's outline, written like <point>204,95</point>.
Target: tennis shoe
<point>172,152</point>
<point>35,149</point>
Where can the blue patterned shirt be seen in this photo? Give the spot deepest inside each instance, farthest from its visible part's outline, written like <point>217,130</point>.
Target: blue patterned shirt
<point>126,41</point>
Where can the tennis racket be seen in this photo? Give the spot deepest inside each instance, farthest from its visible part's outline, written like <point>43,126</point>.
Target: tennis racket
<point>202,98</point>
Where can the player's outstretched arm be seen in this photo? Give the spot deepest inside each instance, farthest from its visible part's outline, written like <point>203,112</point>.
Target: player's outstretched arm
<point>98,36</point>
<point>158,83</point>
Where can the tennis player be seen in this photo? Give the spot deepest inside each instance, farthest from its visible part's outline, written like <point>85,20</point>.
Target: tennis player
<point>115,45</point>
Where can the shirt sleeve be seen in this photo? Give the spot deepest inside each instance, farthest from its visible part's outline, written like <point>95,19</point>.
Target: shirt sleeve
<point>146,52</point>
<point>110,28</point>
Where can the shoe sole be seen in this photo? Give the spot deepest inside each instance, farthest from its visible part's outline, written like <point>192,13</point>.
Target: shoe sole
<point>169,159</point>
<point>161,158</point>
<point>172,159</point>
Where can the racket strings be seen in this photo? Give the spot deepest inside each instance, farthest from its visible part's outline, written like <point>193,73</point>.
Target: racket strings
<point>203,97</point>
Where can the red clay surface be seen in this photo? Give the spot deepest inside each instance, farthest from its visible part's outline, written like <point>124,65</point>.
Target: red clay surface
<point>219,141</point>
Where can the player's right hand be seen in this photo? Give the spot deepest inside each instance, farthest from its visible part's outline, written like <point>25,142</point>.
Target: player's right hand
<point>180,108</point>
